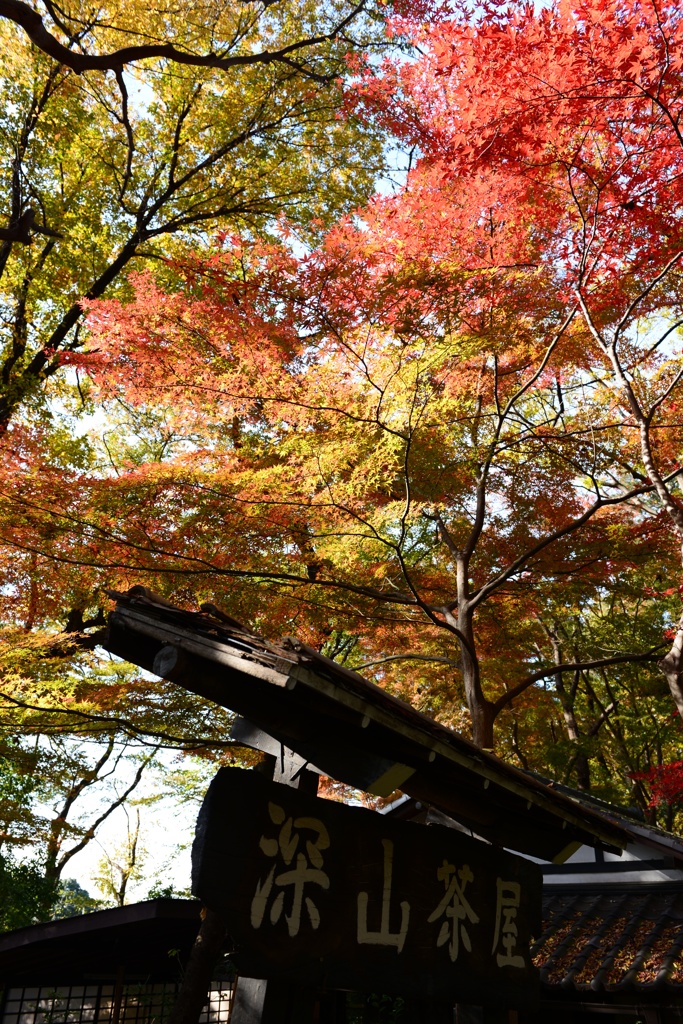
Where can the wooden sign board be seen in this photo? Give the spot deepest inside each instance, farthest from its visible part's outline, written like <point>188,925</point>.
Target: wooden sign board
<point>339,897</point>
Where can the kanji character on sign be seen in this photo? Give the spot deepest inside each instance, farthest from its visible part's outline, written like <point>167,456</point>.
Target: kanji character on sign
<point>455,909</point>
<point>301,857</point>
<point>505,935</point>
<point>384,936</point>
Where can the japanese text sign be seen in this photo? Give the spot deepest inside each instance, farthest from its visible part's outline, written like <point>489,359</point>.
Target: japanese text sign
<point>343,897</point>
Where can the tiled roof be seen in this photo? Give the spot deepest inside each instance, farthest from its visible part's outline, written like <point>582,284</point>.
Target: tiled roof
<point>625,942</point>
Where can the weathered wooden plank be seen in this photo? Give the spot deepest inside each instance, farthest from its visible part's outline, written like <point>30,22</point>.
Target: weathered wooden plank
<point>251,646</point>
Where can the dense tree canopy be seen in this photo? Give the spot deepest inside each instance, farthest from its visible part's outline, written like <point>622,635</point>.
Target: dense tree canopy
<point>438,438</point>
<point>126,138</point>
<point>104,171</point>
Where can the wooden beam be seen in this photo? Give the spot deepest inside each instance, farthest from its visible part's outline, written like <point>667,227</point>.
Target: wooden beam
<point>354,732</point>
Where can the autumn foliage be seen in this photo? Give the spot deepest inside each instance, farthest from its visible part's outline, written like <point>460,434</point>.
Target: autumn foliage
<point>445,443</point>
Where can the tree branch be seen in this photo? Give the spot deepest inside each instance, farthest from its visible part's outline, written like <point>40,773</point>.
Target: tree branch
<point>90,832</point>
<point>32,23</point>
<point>556,535</point>
<point>408,657</point>
<point>617,659</point>
<point>170,742</point>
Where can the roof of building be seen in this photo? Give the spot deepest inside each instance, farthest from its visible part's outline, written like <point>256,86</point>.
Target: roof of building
<point>618,945</point>
<point>143,939</point>
<point>651,854</point>
<point>349,728</point>
<point>622,946</point>
<point>630,819</point>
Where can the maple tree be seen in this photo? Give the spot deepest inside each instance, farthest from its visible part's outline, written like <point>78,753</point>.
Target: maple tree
<point>101,171</point>
<point>506,326</point>
<point>444,444</point>
<point>126,136</point>
<point>582,124</point>
<point>353,472</point>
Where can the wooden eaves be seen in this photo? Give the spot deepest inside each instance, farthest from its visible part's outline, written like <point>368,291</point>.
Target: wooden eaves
<point>98,945</point>
<point>351,729</point>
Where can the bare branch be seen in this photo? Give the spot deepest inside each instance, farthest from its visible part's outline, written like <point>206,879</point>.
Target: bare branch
<point>91,830</point>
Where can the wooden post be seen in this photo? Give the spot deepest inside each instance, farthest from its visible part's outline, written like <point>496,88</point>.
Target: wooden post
<point>118,995</point>
<point>248,1001</point>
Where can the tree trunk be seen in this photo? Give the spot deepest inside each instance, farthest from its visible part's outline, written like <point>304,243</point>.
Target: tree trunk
<point>581,764</point>
<point>197,979</point>
<point>482,711</point>
<point>483,717</point>
<point>671,665</point>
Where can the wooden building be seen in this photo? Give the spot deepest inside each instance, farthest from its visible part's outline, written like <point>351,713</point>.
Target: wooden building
<point>611,944</point>
<point>311,716</point>
<point>610,949</point>
<point>120,966</point>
